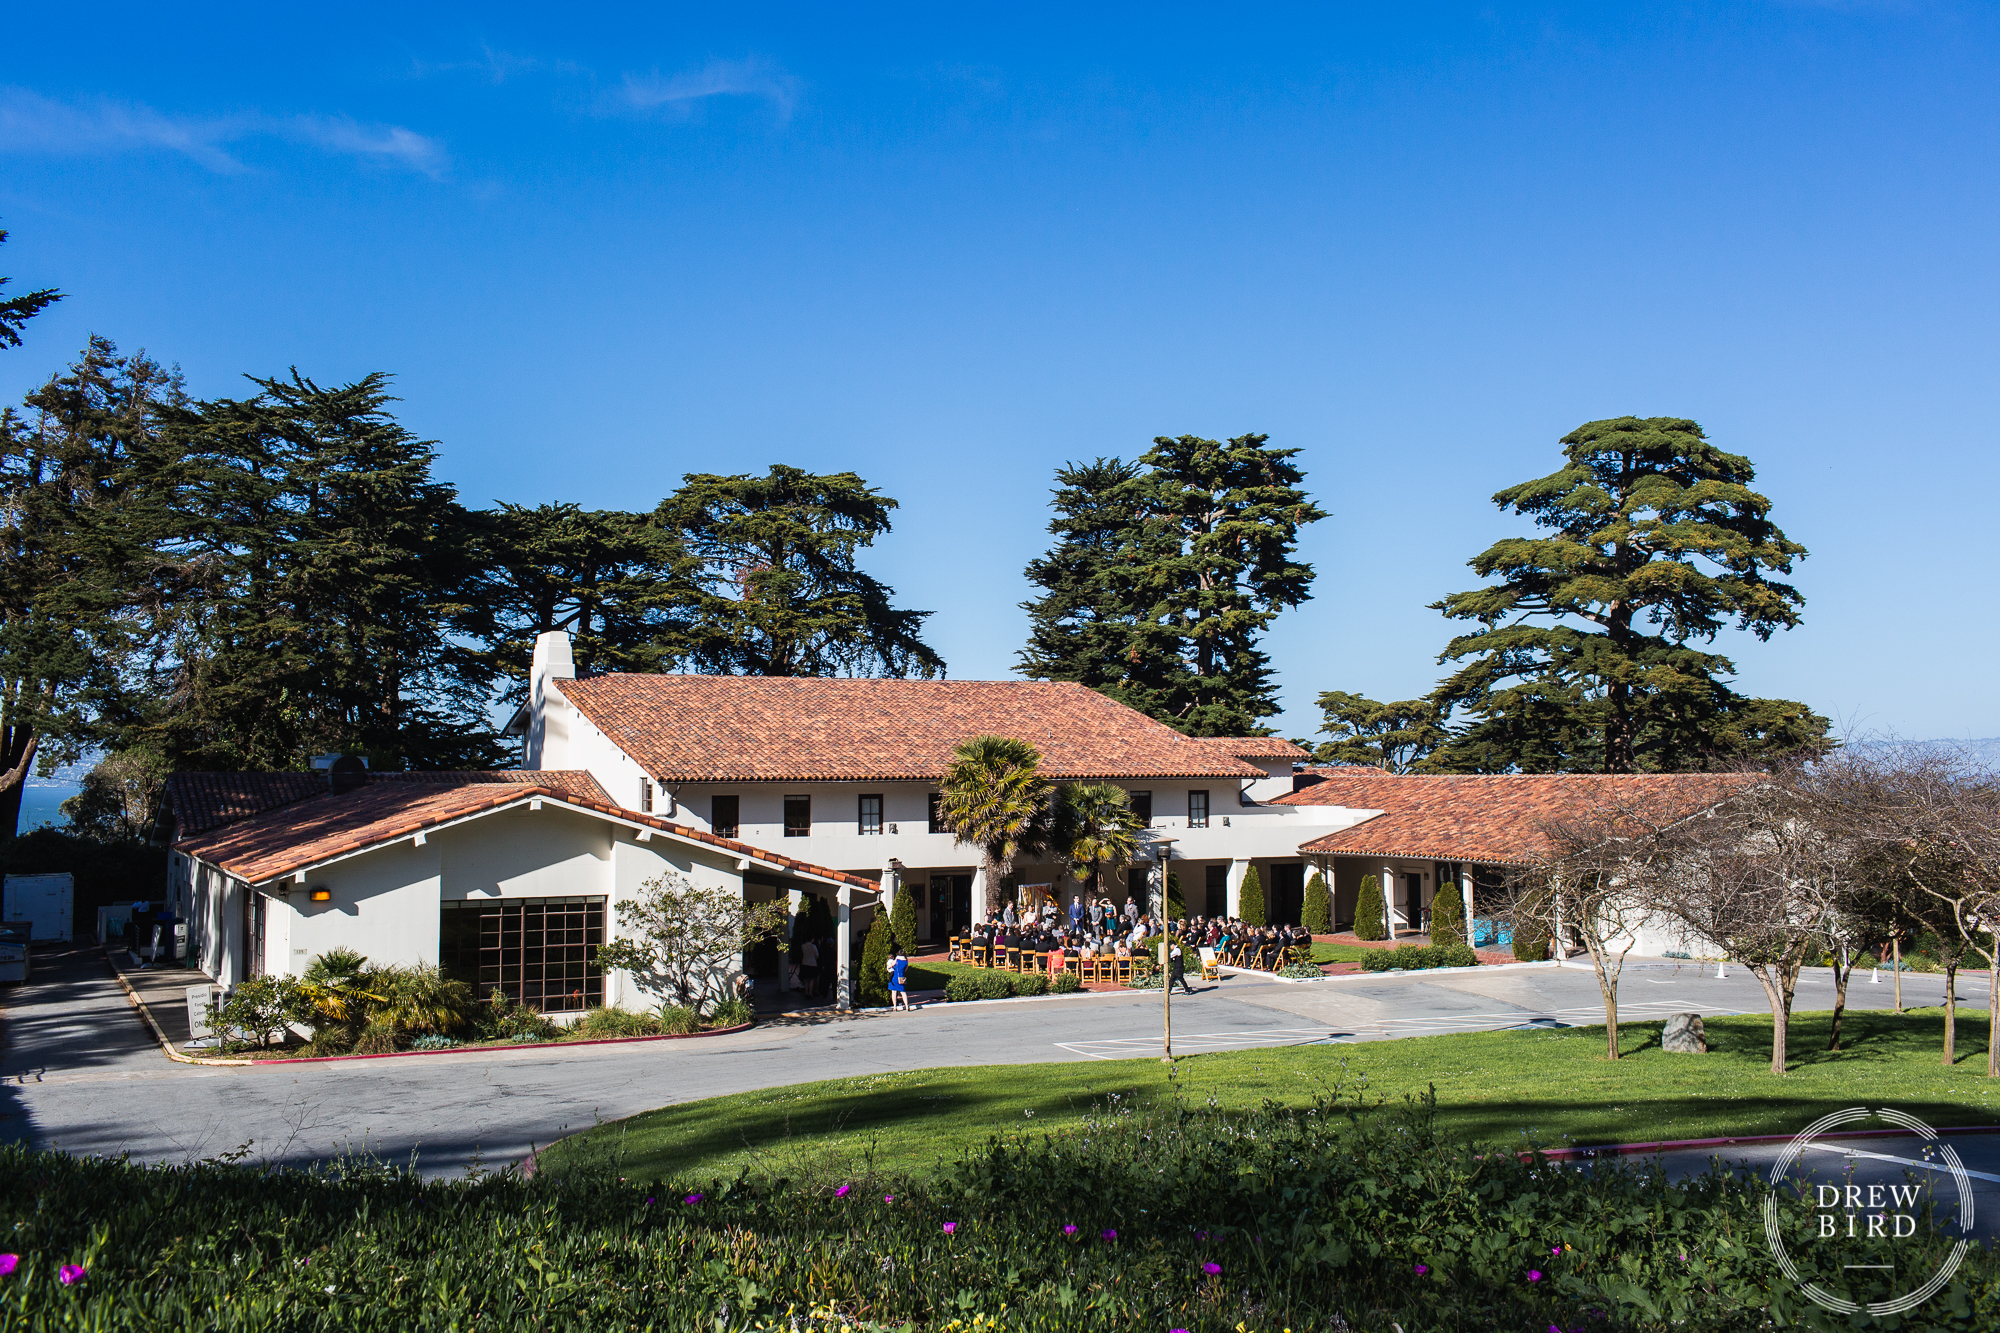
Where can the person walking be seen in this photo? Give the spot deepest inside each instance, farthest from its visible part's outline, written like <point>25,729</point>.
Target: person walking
<point>1176,971</point>
<point>809,967</point>
<point>899,973</point>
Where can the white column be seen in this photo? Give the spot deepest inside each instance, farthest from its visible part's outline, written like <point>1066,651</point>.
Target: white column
<point>1389,899</point>
<point>1238,872</point>
<point>1465,891</point>
<point>844,952</point>
<point>978,896</point>
<point>892,884</point>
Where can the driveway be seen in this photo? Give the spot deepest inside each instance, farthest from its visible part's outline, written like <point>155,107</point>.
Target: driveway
<point>80,1073</point>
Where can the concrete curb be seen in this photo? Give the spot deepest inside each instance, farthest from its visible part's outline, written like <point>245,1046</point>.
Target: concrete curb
<point>166,1046</point>
<point>1675,1145</point>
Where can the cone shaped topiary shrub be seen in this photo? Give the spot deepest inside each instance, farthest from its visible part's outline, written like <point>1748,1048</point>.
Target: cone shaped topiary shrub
<point>903,920</point>
<point>872,986</point>
<point>1251,910</point>
<point>1317,913</point>
<point>1448,916</point>
<point>1176,908</point>
<point>1369,921</point>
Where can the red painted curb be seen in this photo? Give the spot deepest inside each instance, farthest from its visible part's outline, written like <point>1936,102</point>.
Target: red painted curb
<point>1668,1145</point>
<point>524,1046</point>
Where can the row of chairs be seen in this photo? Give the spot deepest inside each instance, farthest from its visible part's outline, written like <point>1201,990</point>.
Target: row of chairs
<point>1246,956</point>
<point>979,954</point>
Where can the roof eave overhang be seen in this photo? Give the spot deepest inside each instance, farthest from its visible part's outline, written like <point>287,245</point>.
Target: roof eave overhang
<point>743,851</point>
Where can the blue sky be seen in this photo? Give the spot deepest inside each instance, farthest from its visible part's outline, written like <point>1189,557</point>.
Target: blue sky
<point>951,250</point>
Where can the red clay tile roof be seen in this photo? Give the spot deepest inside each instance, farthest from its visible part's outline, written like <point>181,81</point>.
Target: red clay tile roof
<point>753,728</point>
<point>1494,819</point>
<point>1256,747</point>
<point>285,840</point>
<point>204,801</point>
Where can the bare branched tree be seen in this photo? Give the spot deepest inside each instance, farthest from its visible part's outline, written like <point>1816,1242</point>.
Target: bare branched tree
<point>1760,878</point>
<point>1934,814</point>
<point>1601,878</point>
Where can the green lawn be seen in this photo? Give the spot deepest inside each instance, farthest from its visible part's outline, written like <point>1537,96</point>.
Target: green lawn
<point>1493,1087</point>
<point>1339,953</point>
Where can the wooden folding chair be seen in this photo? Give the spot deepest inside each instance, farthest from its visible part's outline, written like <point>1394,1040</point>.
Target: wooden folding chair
<point>1211,970</point>
<point>1122,969</point>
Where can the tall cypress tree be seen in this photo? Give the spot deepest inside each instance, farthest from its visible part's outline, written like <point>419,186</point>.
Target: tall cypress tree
<point>1652,541</point>
<point>1164,578</point>
<point>779,593</point>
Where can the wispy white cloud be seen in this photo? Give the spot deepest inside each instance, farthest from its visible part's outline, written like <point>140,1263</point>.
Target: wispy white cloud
<point>752,77</point>
<point>32,123</point>
<point>497,67</point>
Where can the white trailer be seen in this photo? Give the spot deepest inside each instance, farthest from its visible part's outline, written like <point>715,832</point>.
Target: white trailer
<point>47,902</point>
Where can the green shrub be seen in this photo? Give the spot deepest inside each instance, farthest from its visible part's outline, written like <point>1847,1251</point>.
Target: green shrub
<point>501,1019</point>
<point>1448,915</point>
<point>1251,908</point>
<point>1066,983</point>
<point>678,1020</point>
<point>995,985</point>
<point>871,989</point>
<point>1033,983</point>
<point>613,1022</point>
<point>903,922</point>
<point>1302,971</point>
<point>1411,957</point>
<point>961,989</point>
<point>435,1042</point>
<point>1370,913</point>
<point>255,1011</point>
<point>1176,906</point>
<point>1531,931</point>
<point>1317,913</point>
<point>731,1013</point>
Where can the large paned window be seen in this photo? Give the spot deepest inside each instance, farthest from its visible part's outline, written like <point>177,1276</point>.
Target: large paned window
<point>541,951</point>
<point>798,816</point>
<point>722,816</point>
<point>1197,809</point>
<point>870,820</point>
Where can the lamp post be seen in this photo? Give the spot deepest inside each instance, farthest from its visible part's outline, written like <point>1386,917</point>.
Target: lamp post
<point>1163,850</point>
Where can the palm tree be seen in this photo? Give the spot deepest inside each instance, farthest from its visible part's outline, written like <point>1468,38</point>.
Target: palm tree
<point>1094,827</point>
<point>995,798</point>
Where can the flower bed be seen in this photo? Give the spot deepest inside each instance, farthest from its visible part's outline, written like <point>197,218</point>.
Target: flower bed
<point>1184,1218</point>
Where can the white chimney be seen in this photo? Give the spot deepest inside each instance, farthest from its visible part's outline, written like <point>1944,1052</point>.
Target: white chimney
<point>548,711</point>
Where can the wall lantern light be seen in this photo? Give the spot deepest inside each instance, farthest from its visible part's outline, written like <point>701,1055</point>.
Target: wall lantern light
<point>322,895</point>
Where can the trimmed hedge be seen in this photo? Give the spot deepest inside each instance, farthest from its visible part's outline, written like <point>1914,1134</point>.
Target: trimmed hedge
<point>1250,910</point>
<point>1411,957</point>
<point>1317,914</point>
<point>1370,920</point>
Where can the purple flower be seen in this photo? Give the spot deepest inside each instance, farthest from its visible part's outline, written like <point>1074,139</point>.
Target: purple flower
<point>841,1193</point>
<point>950,1227</point>
<point>1201,1235</point>
<point>888,1198</point>
<point>71,1274</point>
<point>1534,1275</point>
<point>1556,1250</point>
<point>1421,1270</point>
<point>1213,1270</point>
<point>1108,1234</point>
<point>1069,1230</point>
<point>649,1198</point>
<point>692,1198</point>
<point>8,1263</point>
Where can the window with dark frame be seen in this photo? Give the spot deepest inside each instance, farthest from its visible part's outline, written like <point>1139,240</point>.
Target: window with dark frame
<point>871,814</point>
<point>937,812</point>
<point>798,816</point>
<point>541,951</point>
<point>1142,806</point>
<point>722,816</point>
<point>1197,809</point>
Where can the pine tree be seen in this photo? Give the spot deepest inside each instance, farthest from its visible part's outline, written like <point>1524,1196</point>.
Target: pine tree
<point>1370,919</point>
<point>1250,904</point>
<point>1317,913</point>
<point>903,920</point>
<point>779,592</point>
<point>871,989</point>
<point>1395,737</point>
<point>16,311</point>
<point>1165,578</point>
<point>1448,916</point>
<point>1653,541</point>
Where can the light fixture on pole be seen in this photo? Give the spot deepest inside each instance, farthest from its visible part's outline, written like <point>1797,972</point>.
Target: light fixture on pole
<point>1163,850</point>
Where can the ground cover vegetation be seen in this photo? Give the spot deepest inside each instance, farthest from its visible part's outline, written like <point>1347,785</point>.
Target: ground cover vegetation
<point>1494,1089</point>
<point>1171,1215</point>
